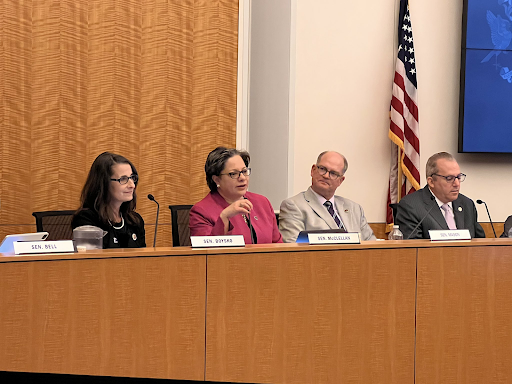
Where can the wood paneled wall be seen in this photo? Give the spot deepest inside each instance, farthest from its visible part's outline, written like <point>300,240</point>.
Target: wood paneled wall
<point>153,80</point>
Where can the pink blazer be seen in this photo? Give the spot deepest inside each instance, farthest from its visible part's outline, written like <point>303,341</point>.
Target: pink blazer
<point>205,219</point>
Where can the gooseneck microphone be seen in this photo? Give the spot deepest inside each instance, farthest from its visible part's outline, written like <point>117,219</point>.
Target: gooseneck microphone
<point>488,214</point>
<point>248,217</point>
<point>424,217</point>
<point>152,198</point>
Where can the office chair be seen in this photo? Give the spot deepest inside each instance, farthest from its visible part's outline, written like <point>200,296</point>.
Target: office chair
<point>180,228</point>
<point>56,223</point>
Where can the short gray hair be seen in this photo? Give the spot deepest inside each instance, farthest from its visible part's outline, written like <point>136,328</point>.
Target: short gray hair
<point>345,162</point>
<point>431,166</point>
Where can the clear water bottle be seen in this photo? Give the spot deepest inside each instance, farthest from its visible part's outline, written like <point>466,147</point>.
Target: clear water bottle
<point>396,233</point>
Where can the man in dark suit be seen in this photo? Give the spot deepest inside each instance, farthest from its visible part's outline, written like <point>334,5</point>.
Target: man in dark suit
<point>506,227</point>
<point>439,202</point>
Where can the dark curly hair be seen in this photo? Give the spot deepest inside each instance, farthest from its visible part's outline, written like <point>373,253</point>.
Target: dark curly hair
<point>216,161</point>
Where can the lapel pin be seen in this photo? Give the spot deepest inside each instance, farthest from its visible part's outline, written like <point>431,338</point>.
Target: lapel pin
<point>134,237</point>
<point>346,210</point>
<point>255,217</point>
<point>460,209</point>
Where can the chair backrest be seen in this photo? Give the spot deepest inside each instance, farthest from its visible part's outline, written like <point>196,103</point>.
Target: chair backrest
<point>180,228</point>
<point>56,223</point>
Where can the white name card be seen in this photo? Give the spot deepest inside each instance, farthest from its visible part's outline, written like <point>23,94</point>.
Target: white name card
<point>34,247</point>
<point>217,241</point>
<point>449,234</point>
<point>334,238</point>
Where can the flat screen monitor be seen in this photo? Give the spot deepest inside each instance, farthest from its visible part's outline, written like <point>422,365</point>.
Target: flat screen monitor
<point>486,77</point>
<point>7,245</point>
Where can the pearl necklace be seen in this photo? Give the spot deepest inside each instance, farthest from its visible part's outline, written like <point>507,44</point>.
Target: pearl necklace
<point>122,223</point>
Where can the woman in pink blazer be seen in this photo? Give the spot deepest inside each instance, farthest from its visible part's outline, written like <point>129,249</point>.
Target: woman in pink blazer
<point>229,209</point>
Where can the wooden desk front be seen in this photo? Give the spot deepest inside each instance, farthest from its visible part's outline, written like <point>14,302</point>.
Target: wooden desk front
<point>280,313</point>
<point>136,313</point>
<point>314,316</point>
<point>464,314</point>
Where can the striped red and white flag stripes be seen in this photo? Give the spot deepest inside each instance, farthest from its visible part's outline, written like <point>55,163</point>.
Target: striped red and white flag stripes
<point>404,176</point>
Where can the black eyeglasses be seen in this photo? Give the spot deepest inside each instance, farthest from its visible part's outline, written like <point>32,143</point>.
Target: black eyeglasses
<point>124,179</point>
<point>236,174</point>
<point>450,179</point>
<point>332,174</point>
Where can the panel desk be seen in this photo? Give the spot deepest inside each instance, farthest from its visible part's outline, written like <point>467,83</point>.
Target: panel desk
<point>136,313</point>
<point>386,312</point>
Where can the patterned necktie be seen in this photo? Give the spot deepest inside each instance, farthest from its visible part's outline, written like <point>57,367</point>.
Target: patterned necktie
<point>448,215</point>
<point>330,209</point>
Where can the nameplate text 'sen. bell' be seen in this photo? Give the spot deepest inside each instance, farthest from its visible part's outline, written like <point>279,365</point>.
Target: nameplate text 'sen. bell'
<point>37,247</point>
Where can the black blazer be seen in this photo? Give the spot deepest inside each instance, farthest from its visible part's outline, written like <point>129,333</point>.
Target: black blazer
<point>412,208</point>
<point>130,236</point>
<point>506,228</point>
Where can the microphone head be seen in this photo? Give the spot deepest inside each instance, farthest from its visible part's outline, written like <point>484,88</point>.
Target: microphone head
<point>479,201</point>
<point>151,197</point>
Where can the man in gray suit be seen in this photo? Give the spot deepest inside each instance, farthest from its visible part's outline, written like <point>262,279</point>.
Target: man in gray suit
<point>439,203</point>
<point>318,207</point>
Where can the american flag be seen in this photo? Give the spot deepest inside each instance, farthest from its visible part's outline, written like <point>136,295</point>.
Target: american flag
<point>404,176</point>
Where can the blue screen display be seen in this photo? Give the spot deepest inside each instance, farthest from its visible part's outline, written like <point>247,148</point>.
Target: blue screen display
<point>489,24</point>
<point>487,88</point>
<point>487,105</point>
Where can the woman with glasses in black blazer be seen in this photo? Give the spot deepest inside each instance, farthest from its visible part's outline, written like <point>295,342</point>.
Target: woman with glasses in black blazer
<point>108,201</point>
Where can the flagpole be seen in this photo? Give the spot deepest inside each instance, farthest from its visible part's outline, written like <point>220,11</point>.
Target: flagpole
<point>399,174</point>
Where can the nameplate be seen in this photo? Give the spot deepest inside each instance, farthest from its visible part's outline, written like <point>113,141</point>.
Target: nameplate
<point>35,247</point>
<point>334,238</point>
<point>449,234</point>
<point>217,241</point>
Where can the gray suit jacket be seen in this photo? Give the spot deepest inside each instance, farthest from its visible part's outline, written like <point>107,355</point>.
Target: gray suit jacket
<point>303,212</point>
<point>412,208</point>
